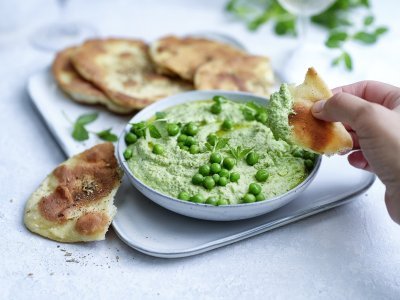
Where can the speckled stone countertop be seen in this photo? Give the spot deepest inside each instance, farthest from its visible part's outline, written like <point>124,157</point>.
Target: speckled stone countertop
<point>351,252</point>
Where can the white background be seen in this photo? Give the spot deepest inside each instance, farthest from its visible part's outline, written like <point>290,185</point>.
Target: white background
<point>349,252</point>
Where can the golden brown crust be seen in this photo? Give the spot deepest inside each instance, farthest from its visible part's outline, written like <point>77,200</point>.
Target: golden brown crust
<point>123,70</point>
<point>78,88</point>
<point>308,132</point>
<point>182,56</point>
<point>75,202</point>
<point>245,73</point>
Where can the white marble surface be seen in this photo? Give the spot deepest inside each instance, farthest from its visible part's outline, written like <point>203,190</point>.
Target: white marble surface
<point>351,252</point>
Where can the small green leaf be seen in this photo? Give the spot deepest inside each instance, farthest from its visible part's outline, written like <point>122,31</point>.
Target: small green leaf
<point>336,39</point>
<point>347,61</point>
<point>368,20</point>
<point>86,118</point>
<point>222,142</point>
<point>365,37</point>
<point>381,30</point>
<point>337,60</point>
<point>80,133</point>
<point>244,152</point>
<point>365,3</point>
<point>107,135</point>
<point>154,133</point>
<point>209,147</point>
<point>333,44</point>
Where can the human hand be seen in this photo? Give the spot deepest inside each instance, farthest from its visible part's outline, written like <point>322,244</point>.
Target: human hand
<point>370,111</point>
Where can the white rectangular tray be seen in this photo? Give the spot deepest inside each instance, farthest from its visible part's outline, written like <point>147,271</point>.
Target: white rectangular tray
<point>158,232</point>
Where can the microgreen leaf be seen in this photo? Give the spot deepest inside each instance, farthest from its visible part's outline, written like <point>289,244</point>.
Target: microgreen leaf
<point>86,118</point>
<point>365,37</point>
<point>107,135</point>
<point>221,143</point>
<point>347,61</point>
<point>209,147</point>
<point>161,115</point>
<point>154,133</point>
<point>381,30</point>
<point>368,20</point>
<point>80,133</point>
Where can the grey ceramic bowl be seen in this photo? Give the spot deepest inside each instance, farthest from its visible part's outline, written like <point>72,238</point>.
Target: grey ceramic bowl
<point>197,210</point>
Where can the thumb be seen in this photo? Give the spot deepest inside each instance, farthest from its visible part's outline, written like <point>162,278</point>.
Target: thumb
<point>342,107</point>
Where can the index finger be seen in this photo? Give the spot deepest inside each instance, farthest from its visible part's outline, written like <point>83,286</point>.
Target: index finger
<point>373,91</point>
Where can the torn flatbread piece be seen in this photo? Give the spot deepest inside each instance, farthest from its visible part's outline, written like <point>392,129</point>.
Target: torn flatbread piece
<point>78,88</point>
<point>123,70</point>
<point>182,56</point>
<point>249,73</point>
<point>75,202</point>
<point>290,117</point>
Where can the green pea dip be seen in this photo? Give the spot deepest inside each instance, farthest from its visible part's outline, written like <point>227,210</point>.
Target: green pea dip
<point>171,172</point>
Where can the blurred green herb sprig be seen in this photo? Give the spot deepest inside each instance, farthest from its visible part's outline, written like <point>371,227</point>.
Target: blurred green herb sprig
<point>337,20</point>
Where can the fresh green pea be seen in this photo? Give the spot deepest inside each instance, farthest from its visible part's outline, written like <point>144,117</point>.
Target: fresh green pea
<point>254,188</point>
<point>215,157</point>
<point>158,149</point>
<point>198,198</point>
<point>309,164</point>
<point>252,158</point>
<point>173,129</point>
<point>190,141</point>
<point>222,202</point>
<point>229,163</point>
<point>212,200</point>
<point>262,117</point>
<point>234,177</point>
<point>219,99</point>
<point>130,138</point>
<point>224,173</point>
<point>216,177</point>
<point>215,168</point>
<point>194,149</point>
<point>223,181</point>
<point>181,145</point>
<point>182,138</point>
<point>197,179</point>
<point>262,175</point>
<point>249,198</point>
<point>227,124</point>
<point>192,129</point>
<point>184,196</point>
<point>297,153</point>
<point>212,139</point>
<point>204,170</point>
<point>308,155</point>
<point>216,108</point>
<point>208,182</point>
<point>186,148</point>
<point>128,153</point>
<point>260,197</point>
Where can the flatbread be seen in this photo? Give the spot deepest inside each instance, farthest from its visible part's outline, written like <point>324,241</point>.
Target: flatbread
<point>79,89</point>
<point>245,73</point>
<point>75,202</point>
<point>182,56</point>
<point>123,70</point>
<point>308,132</point>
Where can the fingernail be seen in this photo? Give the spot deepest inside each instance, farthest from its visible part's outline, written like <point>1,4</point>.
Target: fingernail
<point>318,106</point>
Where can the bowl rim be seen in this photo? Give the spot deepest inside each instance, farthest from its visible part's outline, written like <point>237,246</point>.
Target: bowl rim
<point>121,145</point>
